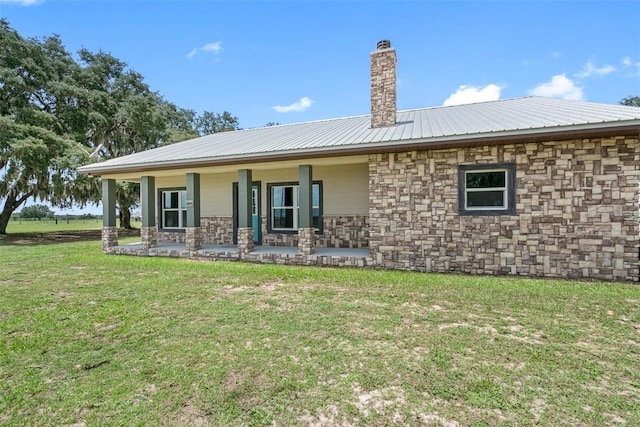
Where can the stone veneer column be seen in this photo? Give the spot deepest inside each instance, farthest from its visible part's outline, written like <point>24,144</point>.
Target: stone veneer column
<point>245,241</point>
<point>306,232</point>
<point>148,231</point>
<point>305,240</point>
<point>245,223</point>
<point>193,238</point>
<point>109,229</point>
<point>193,234</point>
<point>148,237</point>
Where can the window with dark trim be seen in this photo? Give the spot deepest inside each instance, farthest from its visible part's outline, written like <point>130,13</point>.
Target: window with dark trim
<point>172,212</point>
<point>487,189</point>
<point>284,206</point>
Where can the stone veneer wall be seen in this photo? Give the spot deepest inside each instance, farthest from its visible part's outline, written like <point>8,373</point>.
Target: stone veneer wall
<point>339,231</point>
<point>213,231</point>
<point>345,231</point>
<point>217,230</point>
<point>171,236</point>
<point>576,211</point>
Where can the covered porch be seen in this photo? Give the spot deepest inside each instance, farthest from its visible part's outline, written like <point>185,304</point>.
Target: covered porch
<point>284,213</point>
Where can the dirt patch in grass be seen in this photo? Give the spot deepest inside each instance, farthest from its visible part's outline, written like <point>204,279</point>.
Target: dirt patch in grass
<point>190,415</point>
<point>55,237</point>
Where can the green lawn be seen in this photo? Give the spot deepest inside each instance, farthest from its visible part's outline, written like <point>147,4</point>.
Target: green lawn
<point>89,339</point>
<point>49,225</point>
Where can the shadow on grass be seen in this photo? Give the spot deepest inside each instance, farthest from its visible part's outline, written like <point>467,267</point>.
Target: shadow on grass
<point>55,237</point>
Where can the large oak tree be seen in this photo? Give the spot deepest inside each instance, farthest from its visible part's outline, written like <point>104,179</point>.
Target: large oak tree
<point>57,113</point>
<point>39,123</point>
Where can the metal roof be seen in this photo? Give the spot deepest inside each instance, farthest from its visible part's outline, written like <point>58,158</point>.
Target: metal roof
<point>503,118</point>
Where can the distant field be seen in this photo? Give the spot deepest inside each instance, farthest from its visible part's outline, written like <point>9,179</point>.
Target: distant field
<point>24,226</point>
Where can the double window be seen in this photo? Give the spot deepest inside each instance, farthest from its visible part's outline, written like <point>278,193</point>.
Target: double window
<point>284,207</point>
<point>486,189</point>
<point>173,213</point>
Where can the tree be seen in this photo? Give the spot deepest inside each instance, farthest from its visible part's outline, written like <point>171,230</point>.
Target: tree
<point>38,122</point>
<point>209,123</point>
<point>126,117</point>
<point>36,211</point>
<point>633,101</point>
<point>57,114</point>
<point>181,123</point>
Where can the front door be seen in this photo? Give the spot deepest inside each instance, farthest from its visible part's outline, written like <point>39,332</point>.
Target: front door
<point>255,213</point>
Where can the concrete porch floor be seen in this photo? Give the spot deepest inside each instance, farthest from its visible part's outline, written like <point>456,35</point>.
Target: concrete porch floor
<point>348,257</point>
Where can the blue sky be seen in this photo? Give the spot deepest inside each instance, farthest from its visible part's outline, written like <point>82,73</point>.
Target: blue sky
<point>293,61</point>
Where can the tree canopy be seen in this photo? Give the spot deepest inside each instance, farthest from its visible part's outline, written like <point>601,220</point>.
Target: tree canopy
<point>58,113</point>
<point>36,211</point>
<point>633,101</point>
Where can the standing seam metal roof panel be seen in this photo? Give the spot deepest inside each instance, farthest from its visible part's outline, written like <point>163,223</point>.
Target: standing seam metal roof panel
<point>519,115</point>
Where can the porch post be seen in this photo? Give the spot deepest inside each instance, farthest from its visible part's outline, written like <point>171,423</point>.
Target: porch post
<point>109,230</point>
<point>306,232</point>
<point>148,232</point>
<point>193,235</point>
<point>245,224</point>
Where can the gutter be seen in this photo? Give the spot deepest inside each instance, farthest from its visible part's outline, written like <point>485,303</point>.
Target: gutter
<point>451,141</point>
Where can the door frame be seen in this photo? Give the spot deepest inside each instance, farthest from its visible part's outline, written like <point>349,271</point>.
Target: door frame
<point>254,185</point>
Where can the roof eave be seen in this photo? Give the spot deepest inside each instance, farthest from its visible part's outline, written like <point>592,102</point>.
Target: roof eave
<point>631,127</point>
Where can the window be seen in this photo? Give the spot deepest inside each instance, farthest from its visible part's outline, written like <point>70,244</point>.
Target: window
<point>486,189</point>
<point>284,207</point>
<point>173,209</point>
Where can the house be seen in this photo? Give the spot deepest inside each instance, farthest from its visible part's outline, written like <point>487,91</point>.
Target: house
<point>527,186</point>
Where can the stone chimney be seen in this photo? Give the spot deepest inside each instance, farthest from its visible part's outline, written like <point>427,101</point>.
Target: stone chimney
<point>383,85</point>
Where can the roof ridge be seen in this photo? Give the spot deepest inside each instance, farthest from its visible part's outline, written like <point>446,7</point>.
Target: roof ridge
<point>435,107</point>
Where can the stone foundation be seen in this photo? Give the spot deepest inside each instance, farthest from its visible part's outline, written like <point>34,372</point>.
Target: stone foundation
<point>109,238</point>
<point>193,238</point>
<point>217,230</point>
<point>171,236</point>
<point>305,241</point>
<point>148,237</point>
<point>339,231</point>
<point>344,231</point>
<point>576,211</point>
<point>245,241</point>
<point>234,255</point>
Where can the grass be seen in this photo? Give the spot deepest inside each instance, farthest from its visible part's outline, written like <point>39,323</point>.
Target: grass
<point>50,226</point>
<point>89,339</point>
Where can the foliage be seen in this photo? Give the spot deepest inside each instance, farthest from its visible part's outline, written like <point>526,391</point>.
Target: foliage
<point>633,101</point>
<point>209,123</point>
<point>36,211</point>
<point>113,340</point>
<point>57,113</point>
<point>39,122</point>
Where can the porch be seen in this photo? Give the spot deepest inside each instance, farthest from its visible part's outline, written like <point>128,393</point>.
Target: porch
<point>336,257</point>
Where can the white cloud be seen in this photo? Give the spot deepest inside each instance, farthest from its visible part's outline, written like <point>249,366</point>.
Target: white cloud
<point>23,2</point>
<point>302,105</point>
<point>214,47</point>
<point>628,63</point>
<point>590,69</point>
<point>471,94</point>
<point>560,86</point>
